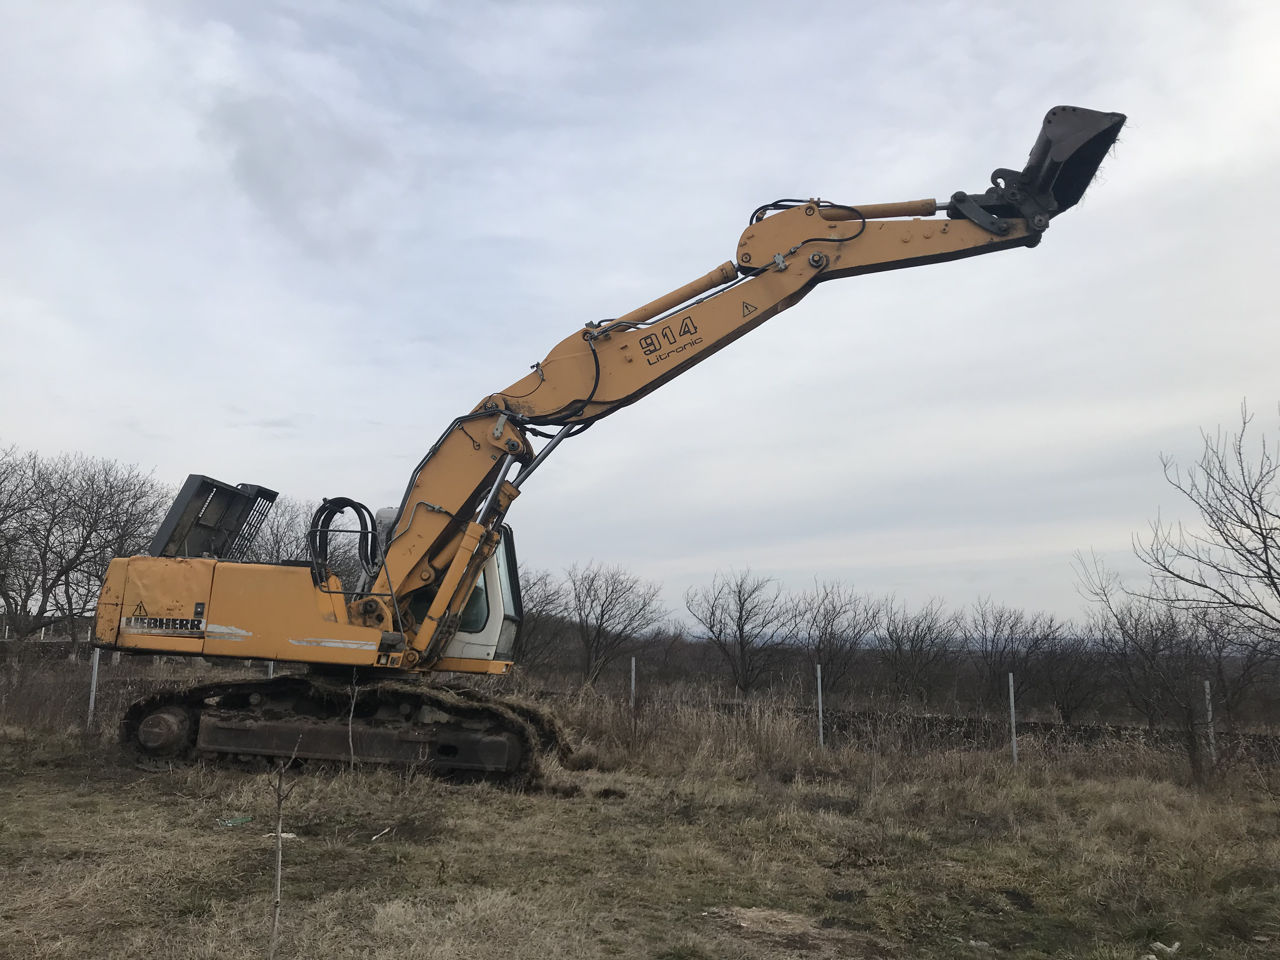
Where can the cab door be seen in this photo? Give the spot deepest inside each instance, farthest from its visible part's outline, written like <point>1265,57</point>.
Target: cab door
<point>490,622</point>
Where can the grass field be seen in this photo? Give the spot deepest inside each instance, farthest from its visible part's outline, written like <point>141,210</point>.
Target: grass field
<point>694,836</point>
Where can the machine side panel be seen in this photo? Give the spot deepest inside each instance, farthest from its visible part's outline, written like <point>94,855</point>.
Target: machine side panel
<point>271,612</point>
<point>106,624</point>
<point>164,603</point>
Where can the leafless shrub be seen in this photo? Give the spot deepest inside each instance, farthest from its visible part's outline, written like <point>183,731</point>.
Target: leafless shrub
<point>748,619</point>
<point>834,626</point>
<point>1071,672</point>
<point>1003,640</point>
<point>913,648</point>
<point>542,634</point>
<point>610,611</point>
<point>1162,653</point>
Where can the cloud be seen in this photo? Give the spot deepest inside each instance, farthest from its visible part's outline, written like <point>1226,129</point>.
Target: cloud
<point>240,235</point>
<point>306,172</point>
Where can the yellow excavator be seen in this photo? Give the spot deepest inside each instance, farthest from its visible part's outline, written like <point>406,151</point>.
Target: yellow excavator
<point>439,592</point>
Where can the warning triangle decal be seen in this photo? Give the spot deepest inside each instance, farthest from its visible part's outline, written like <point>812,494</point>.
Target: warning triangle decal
<point>747,309</point>
<point>139,610</point>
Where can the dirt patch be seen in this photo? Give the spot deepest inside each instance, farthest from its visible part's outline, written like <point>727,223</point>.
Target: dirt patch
<point>1019,899</point>
<point>786,929</point>
<point>772,932</point>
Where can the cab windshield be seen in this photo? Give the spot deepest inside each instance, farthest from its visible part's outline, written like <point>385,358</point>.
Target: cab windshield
<point>476,613</point>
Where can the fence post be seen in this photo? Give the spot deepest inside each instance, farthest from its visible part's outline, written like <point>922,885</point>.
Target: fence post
<point>1208,722</point>
<point>822,739</point>
<point>633,684</point>
<point>93,687</point>
<point>271,669</point>
<point>42,633</point>
<point>1013,722</point>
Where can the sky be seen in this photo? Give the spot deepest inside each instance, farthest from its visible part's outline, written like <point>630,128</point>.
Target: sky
<point>286,243</point>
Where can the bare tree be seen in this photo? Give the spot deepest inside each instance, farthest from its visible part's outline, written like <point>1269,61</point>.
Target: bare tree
<point>17,470</point>
<point>78,514</point>
<point>283,537</point>
<point>913,648</point>
<point>283,534</point>
<point>1071,672</point>
<point>542,633</point>
<point>670,655</point>
<point>748,619</point>
<point>610,611</point>
<point>834,626</point>
<point>1236,666</point>
<point>1003,640</point>
<point>1231,567</point>
<point>1162,653</point>
<point>1154,651</point>
<point>128,505</point>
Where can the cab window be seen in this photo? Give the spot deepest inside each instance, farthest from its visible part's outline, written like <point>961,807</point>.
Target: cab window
<point>476,613</point>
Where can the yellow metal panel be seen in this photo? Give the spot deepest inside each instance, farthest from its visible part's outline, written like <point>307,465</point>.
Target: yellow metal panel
<point>166,587</point>
<point>461,665</point>
<point>163,603</point>
<point>332,602</point>
<point>161,642</point>
<point>275,613</point>
<point>106,626</point>
<point>443,496</point>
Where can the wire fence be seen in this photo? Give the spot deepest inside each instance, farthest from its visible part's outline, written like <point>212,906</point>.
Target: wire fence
<point>91,692</point>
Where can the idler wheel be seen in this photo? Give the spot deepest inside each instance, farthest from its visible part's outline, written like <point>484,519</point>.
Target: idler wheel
<point>165,732</point>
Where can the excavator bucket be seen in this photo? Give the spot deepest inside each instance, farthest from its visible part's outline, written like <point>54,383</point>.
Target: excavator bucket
<point>1072,144</point>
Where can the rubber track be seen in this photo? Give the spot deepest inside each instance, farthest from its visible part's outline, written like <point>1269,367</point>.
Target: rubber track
<point>529,726</point>
<point>552,736</point>
<point>394,692</point>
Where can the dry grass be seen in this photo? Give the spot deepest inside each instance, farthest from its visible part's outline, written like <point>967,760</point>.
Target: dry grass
<point>709,834</point>
<point>53,695</point>
<point>683,731</point>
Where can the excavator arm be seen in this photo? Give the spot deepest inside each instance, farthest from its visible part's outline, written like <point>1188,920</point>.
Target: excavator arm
<point>447,522</point>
